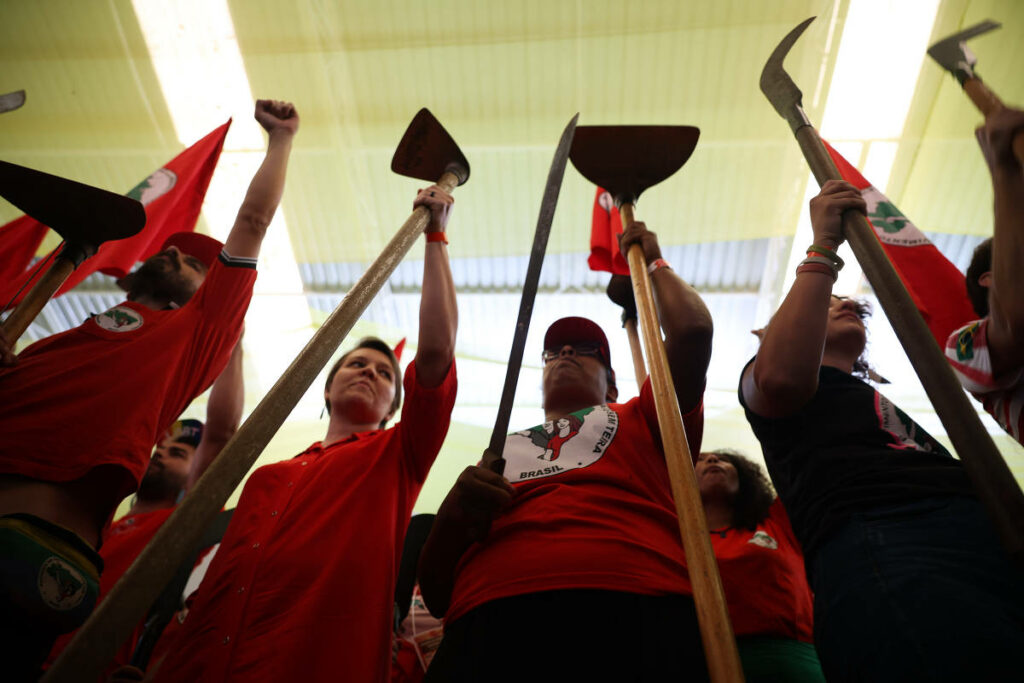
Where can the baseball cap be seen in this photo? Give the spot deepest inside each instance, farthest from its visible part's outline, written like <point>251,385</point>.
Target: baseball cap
<point>203,247</point>
<point>187,431</point>
<point>573,330</point>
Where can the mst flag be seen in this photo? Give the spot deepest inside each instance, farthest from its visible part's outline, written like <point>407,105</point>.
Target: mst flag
<point>604,236</point>
<point>934,283</point>
<point>172,195</point>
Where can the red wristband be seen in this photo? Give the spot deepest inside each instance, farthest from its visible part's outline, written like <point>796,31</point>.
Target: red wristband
<point>657,264</point>
<point>437,236</point>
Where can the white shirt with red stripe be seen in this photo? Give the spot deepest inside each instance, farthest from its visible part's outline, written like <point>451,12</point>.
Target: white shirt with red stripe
<point>1003,398</point>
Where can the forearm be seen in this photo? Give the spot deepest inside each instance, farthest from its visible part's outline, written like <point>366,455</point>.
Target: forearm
<point>787,364</point>
<point>439,317</point>
<point>1008,248</point>
<point>439,559</point>
<point>688,329</point>
<point>262,198</point>
<point>223,415</point>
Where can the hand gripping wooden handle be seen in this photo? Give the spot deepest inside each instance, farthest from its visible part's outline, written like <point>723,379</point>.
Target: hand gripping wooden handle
<point>720,650</point>
<point>988,103</point>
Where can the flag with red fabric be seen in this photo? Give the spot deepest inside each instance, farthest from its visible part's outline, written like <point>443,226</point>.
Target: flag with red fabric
<point>172,196</point>
<point>933,282</point>
<point>605,229</point>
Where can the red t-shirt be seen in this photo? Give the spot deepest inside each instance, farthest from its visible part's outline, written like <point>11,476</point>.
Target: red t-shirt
<point>302,588</point>
<point>599,517</point>
<point>764,579</point>
<point>104,392</point>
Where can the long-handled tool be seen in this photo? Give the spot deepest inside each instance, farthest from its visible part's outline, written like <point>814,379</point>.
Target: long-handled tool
<point>169,602</point>
<point>954,56</point>
<point>426,152</point>
<point>83,215</point>
<point>626,160</point>
<point>496,448</point>
<point>992,479</point>
<point>620,291</point>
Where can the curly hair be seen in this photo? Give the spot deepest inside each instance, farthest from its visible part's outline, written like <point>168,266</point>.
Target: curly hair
<point>981,263</point>
<point>755,494</point>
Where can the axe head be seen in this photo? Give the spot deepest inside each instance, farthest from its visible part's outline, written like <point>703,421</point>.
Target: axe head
<point>81,214</point>
<point>626,160</point>
<point>776,84</point>
<point>952,52</point>
<point>427,151</point>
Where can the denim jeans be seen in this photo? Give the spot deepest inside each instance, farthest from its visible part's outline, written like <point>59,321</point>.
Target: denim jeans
<point>918,592</point>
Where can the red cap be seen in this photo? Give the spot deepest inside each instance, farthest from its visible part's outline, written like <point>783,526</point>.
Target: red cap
<point>574,330</point>
<point>203,247</point>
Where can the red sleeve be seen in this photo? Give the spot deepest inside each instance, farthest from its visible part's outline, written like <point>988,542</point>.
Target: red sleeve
<point>227,289</point>
<point>693,421</point>
<point>426,414</point>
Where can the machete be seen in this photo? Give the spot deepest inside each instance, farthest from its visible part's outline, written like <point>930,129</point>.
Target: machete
<point>493,455</point>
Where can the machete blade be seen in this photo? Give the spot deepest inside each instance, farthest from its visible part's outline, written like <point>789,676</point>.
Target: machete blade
<point>776,84</point>
<point>540,245</point>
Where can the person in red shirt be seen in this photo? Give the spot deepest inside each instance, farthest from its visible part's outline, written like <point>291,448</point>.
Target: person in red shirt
<point>302,587</point>
<point>78,416</point>
<point>181,457</point>
<point>762,570</point>
<point>573,569</point>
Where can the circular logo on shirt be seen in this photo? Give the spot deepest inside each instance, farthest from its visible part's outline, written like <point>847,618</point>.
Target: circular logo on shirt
<point>119,319</point>
<point>763,539</point>
<point>61,586</point>
<point>568,443</point>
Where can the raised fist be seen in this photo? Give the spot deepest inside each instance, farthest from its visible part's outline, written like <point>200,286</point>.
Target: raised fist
<point>276,115</point>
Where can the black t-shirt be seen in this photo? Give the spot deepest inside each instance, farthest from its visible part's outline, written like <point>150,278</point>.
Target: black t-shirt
<point>848,450</point>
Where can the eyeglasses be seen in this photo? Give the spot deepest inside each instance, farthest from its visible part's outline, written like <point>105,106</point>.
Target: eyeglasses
<point>584,349</point>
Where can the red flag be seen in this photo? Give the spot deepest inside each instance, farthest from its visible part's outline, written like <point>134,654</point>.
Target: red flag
<point>172,195</point>
<point>19,242</point>
<point>934,283</point>
<point>604,236</point>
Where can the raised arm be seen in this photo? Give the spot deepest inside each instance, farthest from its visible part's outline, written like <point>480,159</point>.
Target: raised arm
<point>1006,295</point>
<point>281,122</point>
<point>439,316</point>
<point>684,319</point>
<point>784,375</point>
<point>223,414</point>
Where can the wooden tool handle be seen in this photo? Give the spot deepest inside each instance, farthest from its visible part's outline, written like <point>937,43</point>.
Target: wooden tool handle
<point>639,369</point>
<point>988,103</point>
<point>115,618</point>
<point>992,479</point>
<point>720,650</point>
<point>21,317</point>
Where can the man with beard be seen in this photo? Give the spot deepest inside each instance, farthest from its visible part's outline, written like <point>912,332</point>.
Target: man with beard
<point>178,461</point>
<point>79,410</point>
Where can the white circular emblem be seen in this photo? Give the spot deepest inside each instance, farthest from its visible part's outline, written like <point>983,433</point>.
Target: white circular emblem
<point>119,319</point>
<point>159,183</point>
<point>569,443</point>
<point>61,586</point>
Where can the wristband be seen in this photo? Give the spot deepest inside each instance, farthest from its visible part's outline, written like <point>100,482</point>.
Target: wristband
<point>437,236</point>
<point>818,265</point>
<point>819,250</point>
<point>657,264</point>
